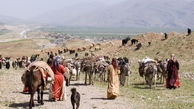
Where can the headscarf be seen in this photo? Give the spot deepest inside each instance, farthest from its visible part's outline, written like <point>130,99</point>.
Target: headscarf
<point>173,57</point>
<point>56,61</point>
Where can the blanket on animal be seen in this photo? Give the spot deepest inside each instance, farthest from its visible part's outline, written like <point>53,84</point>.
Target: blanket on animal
<point>45,69</point>
<point>147,60</point>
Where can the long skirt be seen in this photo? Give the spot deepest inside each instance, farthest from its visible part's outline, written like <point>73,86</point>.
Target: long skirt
<point>173,80</point>
<point>57,87</point>
<point>113,88</point>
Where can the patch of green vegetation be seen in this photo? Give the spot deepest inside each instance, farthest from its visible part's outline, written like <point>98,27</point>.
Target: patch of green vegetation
<point>5,31</point>
<point>159,97</point>
<point>41,38</point>
<point>187,68</point>
<point>21,40</point>
<point>108,32</point>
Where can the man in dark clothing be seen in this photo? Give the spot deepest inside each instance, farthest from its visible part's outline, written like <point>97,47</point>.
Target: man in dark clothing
<point>189,31</point>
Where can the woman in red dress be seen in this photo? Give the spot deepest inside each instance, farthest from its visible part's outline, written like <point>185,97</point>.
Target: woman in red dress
<point>173,75</point>
<point>57,87</point>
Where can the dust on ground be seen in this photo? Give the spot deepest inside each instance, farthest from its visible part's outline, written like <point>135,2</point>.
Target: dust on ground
<point>92,97</point>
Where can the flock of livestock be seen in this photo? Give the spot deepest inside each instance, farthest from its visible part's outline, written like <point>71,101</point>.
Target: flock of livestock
<point>20,62</point>
<point>95,67</point>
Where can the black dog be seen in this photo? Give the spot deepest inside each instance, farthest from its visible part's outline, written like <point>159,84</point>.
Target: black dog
<point>75,98</point>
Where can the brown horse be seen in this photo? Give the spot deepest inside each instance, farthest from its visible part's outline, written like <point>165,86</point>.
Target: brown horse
<point>32,78</point>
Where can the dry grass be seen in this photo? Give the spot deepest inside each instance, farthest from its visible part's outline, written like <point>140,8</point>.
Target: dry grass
<point>160,97</point>
<point>18,48</point>
<point>76,43</point>
<point>136,91</point>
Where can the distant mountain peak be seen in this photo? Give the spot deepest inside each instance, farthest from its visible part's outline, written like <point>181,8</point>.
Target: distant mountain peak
<point>129,13</point>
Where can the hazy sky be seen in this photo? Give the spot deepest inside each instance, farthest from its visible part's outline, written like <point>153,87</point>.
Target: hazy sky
<point>29,8</point>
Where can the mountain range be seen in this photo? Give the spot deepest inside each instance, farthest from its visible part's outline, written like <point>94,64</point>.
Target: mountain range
<point>129,13</point>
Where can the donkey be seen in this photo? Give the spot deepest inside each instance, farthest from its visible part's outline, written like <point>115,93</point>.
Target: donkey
<point>162,70</point>
<point>32,78</point>
<point>149,71</point>
<point>77,65</point>
<point>150,74</point>
<point>87,66</point>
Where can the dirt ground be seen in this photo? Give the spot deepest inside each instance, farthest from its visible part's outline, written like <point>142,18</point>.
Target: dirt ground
<point>136,95</point>
<point>92,97</point>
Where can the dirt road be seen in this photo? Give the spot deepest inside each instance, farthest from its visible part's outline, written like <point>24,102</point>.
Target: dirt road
<point>92,97</point>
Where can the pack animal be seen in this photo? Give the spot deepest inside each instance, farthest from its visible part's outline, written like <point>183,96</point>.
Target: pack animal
<point>33,79</point>
<point>87,66</point>
<point>125,70</point>
<point>149,71</point>
<point>162,70</point>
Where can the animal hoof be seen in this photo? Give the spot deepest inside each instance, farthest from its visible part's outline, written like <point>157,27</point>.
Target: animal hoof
<point>42,103</point>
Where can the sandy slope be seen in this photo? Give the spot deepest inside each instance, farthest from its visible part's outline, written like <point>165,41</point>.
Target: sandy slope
<point>92,97</point>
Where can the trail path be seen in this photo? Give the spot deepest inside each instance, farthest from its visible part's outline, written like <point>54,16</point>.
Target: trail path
<point>92,97</point>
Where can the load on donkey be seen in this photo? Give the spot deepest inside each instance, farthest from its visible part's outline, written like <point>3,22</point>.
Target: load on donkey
<point>35,78</point>
<point>153,69</point>
<point>148,69</point>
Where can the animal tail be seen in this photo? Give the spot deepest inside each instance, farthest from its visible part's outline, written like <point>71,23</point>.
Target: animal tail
<point>30,79</point>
